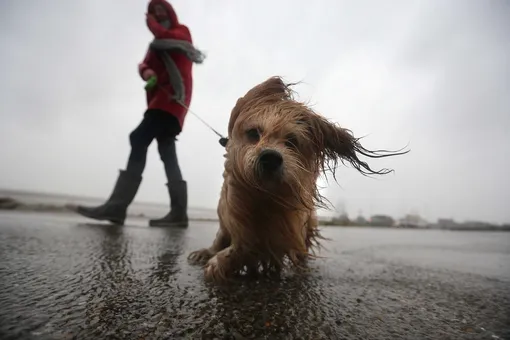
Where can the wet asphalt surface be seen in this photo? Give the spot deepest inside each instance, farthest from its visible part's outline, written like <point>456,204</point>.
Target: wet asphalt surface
<point>61,278</point>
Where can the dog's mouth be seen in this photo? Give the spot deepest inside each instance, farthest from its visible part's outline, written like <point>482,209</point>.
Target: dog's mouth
<point>269,166</point>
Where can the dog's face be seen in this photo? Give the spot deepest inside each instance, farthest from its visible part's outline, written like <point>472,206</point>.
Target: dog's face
<point>271,146</point>
<point>279,145</point>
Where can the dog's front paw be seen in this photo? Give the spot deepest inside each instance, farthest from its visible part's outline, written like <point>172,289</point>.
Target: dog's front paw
<point>211,269</point>
<point>200,256</point>
<point>219,268</point>
<point>216,271</point>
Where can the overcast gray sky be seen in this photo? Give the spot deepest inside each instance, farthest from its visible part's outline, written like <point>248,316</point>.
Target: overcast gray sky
<point>432,73</point>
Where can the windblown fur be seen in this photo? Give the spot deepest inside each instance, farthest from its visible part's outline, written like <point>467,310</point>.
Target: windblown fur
<point>267,217</point>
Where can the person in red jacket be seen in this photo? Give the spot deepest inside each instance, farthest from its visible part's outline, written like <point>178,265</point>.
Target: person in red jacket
<point>169,61</point>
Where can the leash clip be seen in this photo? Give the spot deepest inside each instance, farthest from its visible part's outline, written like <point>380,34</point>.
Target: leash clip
<point>223,141</point>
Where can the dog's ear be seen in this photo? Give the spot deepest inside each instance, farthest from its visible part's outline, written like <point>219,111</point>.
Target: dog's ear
<point>334,143</point>
<point>267,92</point>
<point>236,111</point>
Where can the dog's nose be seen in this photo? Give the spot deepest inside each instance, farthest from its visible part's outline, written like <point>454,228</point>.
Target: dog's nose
<point>270,160</point>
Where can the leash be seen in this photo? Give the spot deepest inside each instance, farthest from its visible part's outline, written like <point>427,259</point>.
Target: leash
<point>223,140</point>
<point>152,82</point>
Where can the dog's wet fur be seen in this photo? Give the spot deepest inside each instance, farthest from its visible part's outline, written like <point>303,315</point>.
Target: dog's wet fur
<point>277,148</point>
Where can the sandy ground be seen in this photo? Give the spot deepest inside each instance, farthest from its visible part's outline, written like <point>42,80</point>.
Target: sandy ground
<point>61,278</point>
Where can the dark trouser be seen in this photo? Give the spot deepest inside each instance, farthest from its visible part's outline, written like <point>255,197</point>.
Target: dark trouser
<point>163,127</point>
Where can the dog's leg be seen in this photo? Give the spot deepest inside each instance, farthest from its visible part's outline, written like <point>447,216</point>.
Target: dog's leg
<point>309,235</point>
<point>221,242</point>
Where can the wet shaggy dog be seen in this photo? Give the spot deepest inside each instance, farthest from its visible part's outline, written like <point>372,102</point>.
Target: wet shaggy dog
<point>277,147</point>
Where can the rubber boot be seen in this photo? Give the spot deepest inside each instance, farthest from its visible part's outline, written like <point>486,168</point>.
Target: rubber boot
<point>115,208</point>
<point>178,215</point>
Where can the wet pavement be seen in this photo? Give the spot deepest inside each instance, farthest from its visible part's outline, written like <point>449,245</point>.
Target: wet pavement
<point>61,278</point>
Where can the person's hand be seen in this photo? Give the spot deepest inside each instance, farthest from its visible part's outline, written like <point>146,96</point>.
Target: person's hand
<point>150,19</point>
<point>152,24</point>
<point>147,74</point>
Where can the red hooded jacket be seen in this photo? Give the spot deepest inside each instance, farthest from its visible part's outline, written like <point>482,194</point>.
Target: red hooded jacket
<point>158,98</point>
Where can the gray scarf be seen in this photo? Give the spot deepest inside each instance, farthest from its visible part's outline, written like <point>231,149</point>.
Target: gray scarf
<point>162,47</point>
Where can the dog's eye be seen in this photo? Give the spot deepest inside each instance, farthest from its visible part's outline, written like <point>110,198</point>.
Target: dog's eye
<point>291,142</point>
<point>253,135</point>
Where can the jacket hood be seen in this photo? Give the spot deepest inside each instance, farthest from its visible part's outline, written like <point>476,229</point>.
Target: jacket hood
<point>169,8</point>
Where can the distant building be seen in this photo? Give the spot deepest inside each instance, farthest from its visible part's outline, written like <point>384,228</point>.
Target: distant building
<point>412,221</point>
<point>381,221</point>
<point>343,219</point>
<point>446,223</point>
<point>468,225</point>
<point>476,225</point>
<point>324,218</point>
<point>360,220</point>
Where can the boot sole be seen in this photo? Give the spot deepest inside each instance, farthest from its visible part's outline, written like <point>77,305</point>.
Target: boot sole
<point>174,225</point>
<point>101,218</point>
